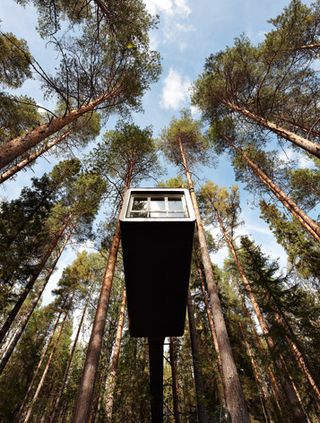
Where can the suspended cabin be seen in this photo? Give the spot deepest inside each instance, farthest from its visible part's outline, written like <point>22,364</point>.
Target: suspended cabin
<point>157,226</point>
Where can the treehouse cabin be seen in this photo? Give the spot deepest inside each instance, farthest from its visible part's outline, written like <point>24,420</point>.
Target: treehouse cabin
<point>157,228</point>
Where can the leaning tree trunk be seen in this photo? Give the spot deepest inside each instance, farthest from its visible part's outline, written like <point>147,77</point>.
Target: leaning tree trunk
<point>310,225</point>
<point>46,368</point>
<point>14,148</point>
<point>86,388</point>
<point>262,321</point>
<point>56,404</point>
<point>45,257</point>
<point>111,379</point>
<point>32,157</point>
<point>295,139</point>
<point>260,383</point>
<point>221,389</point>
<point>25,319</point>
<point>236,404</point>
<point>198,377</point>
<point>174,373</point>
<point>20,413</point>
<point>299,357</point>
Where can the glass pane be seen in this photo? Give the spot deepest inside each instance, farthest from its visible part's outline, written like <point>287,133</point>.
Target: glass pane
<point>138,214</point>
<point>157,204</point>
<point>140,203</point>
<point>175,204</point>
<point>176,214</point>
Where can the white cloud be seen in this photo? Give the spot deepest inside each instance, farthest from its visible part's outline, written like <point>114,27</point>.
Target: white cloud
<point>175,90</point>
<point>168,7</point>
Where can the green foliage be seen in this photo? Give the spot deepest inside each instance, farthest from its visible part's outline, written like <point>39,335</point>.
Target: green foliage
<point>305,186</point>
<point>188,132</point>
<point>18,374</point>
<point>303,251</point>
<point>175,182</point>
<point>15,60</point>
<point>127,155</point>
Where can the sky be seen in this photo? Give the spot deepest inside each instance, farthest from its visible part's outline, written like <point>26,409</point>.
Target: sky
<point>187,33</point>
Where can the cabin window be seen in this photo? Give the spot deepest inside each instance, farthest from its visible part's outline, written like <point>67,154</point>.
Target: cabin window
<point>157,206</point>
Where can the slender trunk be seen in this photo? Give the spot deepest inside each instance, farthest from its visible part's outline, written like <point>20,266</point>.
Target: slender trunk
<point>195,348</point>
<point>261,319</point>
<point>260,383</point>
<point>13,313</point>
<point>18,418</point>
<point>234,395</point>
<point>14,148</point>
<point>300,360</point>
<point>111,379</point>
<point>277,390</point>
<point>175,387</point>
<point>32,157</point>
<point>45,371</point>
<point>56,403</point>
<point>86,388</point>
<point>310,225</point>
<point>297,140</point>
<point>25,319</point>
<point>216,345</point>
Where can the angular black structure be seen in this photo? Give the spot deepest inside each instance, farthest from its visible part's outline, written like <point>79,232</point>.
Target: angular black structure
<point>157,227</point>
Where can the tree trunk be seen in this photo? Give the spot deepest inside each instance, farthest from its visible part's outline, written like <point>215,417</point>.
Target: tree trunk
<point>175,386</point>
<point>13,313</point>
<point>45,370</point>
<point>32,157</point>
<point>262,321</point>
<point>295,139</point>
<point>14,148</point>
<point>234,395</point>
<point>18,418</point>
<point>310,225</point>
<point>111,379</point>
<point>86,388</point>
<point>300,359</point>
<point>260,383</point>
<point>215,343</point>
<point>198,379</point>
<point>25,319</point>
<point>66,372</point>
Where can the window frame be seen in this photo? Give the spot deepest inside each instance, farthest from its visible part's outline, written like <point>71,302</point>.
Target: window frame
<point>165,214</point>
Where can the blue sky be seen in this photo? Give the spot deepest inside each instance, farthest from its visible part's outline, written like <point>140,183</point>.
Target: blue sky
<point>187,33</point>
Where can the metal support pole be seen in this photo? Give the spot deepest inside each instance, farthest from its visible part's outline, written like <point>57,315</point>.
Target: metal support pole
<point>156,378</point>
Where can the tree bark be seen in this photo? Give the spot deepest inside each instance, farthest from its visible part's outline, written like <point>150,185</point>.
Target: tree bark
<point>310,225</point>
<point>174,373</point>
<point>234,395</point>
<point>25,319</point>
<point>195,348</point>
<point>295,139</point>
<point>19,416</point>
<point>260,383</point>
<point>14,148</point>
<point>66,372</point>
<point>32,157</point>
<point>262,321</point>
<point>215,343</point>
<point>13,313</point>
<point>45,370</point>
<point>300,360</point>
<point>111,379</point>
<point>86,388</point>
